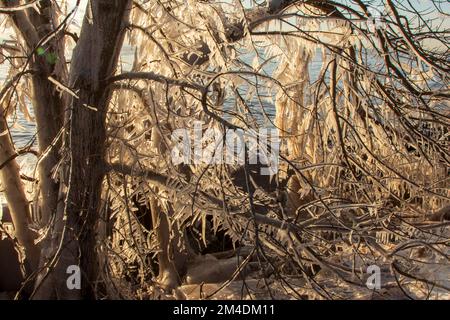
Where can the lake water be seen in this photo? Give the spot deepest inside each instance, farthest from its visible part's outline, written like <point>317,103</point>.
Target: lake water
<point>23,130</point>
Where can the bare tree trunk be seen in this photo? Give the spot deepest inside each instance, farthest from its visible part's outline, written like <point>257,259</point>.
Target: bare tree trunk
<point>49,105</point>
<point>15,196</point>
<point>94,60</point>
<point>48,109</point>
<point>47,101</point>
<point>172,260</point>
<point>167,272</point>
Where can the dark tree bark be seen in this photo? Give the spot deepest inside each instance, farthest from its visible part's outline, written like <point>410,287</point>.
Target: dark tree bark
<point>94,59</point>
<point>47,101</point>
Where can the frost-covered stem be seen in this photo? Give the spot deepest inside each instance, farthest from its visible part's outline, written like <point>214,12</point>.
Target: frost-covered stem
<point>15,195</point>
